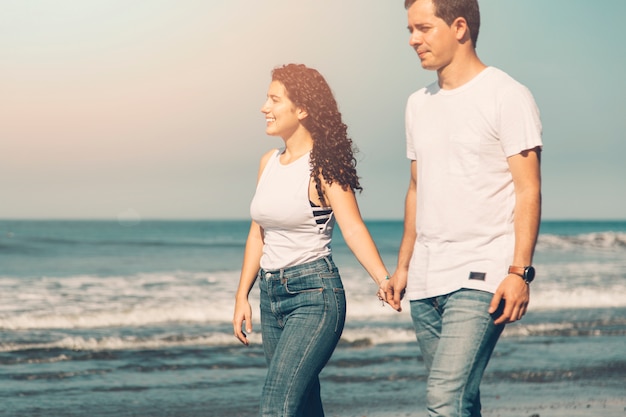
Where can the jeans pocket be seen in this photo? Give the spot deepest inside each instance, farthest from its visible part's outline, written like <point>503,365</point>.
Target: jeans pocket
<point>340,303</point>
<point>305,283</point>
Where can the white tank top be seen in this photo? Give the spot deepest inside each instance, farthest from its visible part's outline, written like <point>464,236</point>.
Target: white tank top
<point>294,232</point>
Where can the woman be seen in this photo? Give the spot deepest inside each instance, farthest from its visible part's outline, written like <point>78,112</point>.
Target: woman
<point>302,190</point>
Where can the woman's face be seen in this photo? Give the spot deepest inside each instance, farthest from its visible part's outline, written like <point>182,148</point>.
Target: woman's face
<point>282,117</point>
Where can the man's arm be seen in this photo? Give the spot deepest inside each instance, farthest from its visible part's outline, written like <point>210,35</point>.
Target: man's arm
<point>525,168</point>
<point>397,283</point>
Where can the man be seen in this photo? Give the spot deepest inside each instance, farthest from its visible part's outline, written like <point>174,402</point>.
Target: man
<point>473,205</point>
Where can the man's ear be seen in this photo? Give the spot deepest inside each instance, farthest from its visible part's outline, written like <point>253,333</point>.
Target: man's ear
<point>301,113</point>
<point>461,28</point>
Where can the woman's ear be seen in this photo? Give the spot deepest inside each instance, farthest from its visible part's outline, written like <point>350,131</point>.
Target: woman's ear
<point>301,113</point>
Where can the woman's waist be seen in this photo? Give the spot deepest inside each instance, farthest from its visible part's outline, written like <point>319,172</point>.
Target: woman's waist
<point>288,254</point>
<point>319,264</point>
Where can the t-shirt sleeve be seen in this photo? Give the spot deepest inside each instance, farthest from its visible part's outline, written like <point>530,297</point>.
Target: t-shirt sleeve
<point>519,122</point>
<point>408,123</point>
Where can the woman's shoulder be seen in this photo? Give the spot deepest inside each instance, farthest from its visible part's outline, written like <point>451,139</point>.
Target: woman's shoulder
<point>266,158</point>
<point>269,154</point>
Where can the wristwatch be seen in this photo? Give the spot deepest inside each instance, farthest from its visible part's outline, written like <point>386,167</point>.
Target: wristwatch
<point>526,272</point>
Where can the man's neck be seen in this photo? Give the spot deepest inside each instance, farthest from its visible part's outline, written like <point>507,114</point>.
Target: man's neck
<point>460,71</point>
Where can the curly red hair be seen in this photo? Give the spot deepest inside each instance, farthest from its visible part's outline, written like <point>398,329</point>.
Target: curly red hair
<point>332,156</point>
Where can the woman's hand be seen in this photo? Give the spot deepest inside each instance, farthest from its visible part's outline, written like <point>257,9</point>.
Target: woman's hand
<point>243,313</point>
<point>382,290</point>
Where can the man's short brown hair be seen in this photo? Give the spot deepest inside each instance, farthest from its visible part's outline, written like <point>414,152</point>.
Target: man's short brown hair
<point>448,10</point>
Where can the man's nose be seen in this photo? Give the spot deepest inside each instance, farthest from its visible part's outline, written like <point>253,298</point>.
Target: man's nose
<point>415,39</point>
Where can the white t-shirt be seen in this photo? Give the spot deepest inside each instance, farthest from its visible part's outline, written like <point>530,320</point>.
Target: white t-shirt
<point>294,232</point>
<point>461,139</point>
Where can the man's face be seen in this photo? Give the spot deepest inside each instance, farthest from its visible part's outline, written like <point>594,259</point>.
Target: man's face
<point>434,41</point>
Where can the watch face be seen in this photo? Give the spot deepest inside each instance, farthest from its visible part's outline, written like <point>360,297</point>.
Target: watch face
<point>529,273</point>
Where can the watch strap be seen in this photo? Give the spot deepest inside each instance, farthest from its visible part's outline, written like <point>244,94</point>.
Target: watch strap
<point>517,270</point>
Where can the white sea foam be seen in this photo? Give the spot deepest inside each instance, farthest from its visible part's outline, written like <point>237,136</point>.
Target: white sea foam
<point>598,240</point>
<point>90,301</point>
<point>133,317</point>
<point>555,298</point>
<point>355,336</point>
<point>379,335</point>
<point>85,302</point>
<point>221,312</point>
<point>78,343</point>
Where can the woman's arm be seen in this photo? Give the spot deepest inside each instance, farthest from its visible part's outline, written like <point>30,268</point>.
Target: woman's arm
<point>357,236</point>
<point>249,269</point>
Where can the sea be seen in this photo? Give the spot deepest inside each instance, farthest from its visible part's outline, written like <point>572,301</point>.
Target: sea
<point>133,318</point>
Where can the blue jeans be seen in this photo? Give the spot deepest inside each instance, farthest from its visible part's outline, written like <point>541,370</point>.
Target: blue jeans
<point>456,336</point>
<point>303,310</point>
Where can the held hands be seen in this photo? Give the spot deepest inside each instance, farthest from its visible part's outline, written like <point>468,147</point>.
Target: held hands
<point>510,301</point>
<point>383,293</point>
<point>394,289</point>
<point>243,313</point>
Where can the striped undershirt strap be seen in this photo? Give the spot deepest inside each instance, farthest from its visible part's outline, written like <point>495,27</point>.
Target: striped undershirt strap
<point>320,214</point>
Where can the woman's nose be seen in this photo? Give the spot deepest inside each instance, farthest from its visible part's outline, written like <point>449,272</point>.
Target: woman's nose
<point>265,108</point>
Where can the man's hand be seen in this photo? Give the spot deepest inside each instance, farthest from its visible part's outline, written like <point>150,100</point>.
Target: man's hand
<point>395,289</point>
<point>514,294</point>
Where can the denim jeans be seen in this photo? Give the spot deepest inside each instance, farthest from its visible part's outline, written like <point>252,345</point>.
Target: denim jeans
<point>456,335</point>
<point>303,310</point>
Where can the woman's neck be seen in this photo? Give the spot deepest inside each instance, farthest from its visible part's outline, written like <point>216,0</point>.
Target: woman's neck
<point>297,145</point>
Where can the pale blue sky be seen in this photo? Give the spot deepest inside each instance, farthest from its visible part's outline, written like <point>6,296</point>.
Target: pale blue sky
<point>111,109</point>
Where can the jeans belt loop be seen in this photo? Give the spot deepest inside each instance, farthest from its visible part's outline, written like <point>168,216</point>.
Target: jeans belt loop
<point>328,262</point>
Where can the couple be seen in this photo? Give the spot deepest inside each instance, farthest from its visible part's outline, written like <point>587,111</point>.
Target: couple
<point>471,219</point>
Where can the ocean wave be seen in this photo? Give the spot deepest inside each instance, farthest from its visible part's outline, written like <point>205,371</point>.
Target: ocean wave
<point>354,337</point>
<point>131,317</point>
<point>597,240</point>
<point>118,343</point>
<point>15,243</point>
<point>161,298</point>
<point>576,373</point>
<point>33,244</point>
<point>179,307</point>
<point>351,338</point>
<point>554,297</point>
<point>614,326</point>
<point>87,301</point>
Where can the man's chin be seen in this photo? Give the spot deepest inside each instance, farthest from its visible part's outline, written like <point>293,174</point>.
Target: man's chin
<point>428,66</point>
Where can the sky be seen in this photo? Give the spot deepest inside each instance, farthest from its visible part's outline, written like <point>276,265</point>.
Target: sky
<point>150,109</point>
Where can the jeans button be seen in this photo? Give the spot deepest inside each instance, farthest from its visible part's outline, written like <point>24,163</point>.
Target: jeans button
<point>268,275</point>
